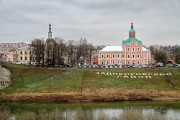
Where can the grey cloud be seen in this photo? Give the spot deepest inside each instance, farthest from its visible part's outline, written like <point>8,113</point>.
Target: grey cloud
<point>97,20</point>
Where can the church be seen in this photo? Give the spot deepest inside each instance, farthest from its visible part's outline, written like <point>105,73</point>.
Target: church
<point>131,52</point>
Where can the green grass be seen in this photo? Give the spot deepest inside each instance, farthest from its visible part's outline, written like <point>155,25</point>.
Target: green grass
<point>26,79</point>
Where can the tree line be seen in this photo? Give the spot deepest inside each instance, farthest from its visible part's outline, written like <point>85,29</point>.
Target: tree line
<point>166,53</point>
<point>59,52</point>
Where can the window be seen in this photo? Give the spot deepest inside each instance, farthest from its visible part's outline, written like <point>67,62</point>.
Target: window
<point>102,63</point>
<point>122,56</point>
<point>107,56</point>
<point>137,56</point>
<point>102,56</point>
<point>25,58</point>
<point>128,56</point>
<point>128,49</point>
<point>113,62</point>
<point>133,56</point>
<point>138,49</point>
<point>20,58</point>
<point>118,56</point>
<point>21,52</point>
<point>107,62</point>
<point>25,52</point>
<point>113,56</point>
<point>133,49</point>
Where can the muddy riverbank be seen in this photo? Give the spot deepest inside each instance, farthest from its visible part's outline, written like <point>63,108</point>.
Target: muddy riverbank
<point>93,95</point>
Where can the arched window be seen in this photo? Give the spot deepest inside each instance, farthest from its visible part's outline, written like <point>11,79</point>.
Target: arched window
<point>102,56</point>
<point>107,56</point>
<point>138,49</point>
<point>118,56</point>
<point>113,56</point>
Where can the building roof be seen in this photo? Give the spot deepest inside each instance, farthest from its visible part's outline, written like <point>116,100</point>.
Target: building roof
<point>112,49</point>
<point>117,49</point>
<point>132,39</point>
<point>24,48</point>
<point>131,30</point>
<point>145,49</point>
<point>50,40</point>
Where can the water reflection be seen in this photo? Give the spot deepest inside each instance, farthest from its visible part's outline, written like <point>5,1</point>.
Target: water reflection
<point>85,112</point>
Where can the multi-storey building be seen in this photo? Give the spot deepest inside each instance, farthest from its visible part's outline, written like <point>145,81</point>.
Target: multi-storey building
<point>23,55</point>
<point>131,52</point>
<point>6,47</point>
<point>11,56</point>
<point>13,45</point>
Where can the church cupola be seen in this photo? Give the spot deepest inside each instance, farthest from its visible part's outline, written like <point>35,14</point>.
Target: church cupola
<point>131,32</point>
<point>50,32</point>
<point>50,38</point>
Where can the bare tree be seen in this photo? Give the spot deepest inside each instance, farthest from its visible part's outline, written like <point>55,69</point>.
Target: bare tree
<point>60,50</point>
<point>84,52</point>
<point>38,48</point>
<point>72,49</point>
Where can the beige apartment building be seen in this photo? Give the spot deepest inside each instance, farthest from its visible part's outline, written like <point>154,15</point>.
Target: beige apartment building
<point>23,55</point>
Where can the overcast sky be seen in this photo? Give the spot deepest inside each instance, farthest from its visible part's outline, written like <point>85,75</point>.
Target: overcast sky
<point>102,22</point>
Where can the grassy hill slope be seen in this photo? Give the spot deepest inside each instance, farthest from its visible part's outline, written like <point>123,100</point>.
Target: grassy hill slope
<point>53,80</point>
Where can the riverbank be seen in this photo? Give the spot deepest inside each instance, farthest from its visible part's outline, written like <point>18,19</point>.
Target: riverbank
<point>93,95</point>
<point>32,84</point>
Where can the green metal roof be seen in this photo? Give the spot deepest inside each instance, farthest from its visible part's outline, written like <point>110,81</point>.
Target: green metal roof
<point>50,40</point>
<point>131,30</point>
<point>129,40</point>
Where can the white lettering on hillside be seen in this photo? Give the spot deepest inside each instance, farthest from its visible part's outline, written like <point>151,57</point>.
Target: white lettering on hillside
<point>133,75</point>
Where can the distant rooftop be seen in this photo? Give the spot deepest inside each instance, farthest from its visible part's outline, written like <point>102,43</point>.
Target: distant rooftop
<point>24,48</point>
<point>117,49</point>
<point>112,49</point>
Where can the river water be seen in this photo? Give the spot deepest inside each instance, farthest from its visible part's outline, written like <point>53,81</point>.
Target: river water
<point>91,111</point>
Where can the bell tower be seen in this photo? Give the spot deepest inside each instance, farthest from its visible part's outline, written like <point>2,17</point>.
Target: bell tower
<point>132,32</point>
<point>49,32</point>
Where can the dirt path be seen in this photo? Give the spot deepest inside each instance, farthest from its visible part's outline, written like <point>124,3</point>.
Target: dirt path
<point>94,95</point>
<point>4,78</point>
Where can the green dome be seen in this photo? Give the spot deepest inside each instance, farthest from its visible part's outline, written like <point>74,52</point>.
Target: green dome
<point>131,30</point>
<point>129,40</point>
<point>50,40</point>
